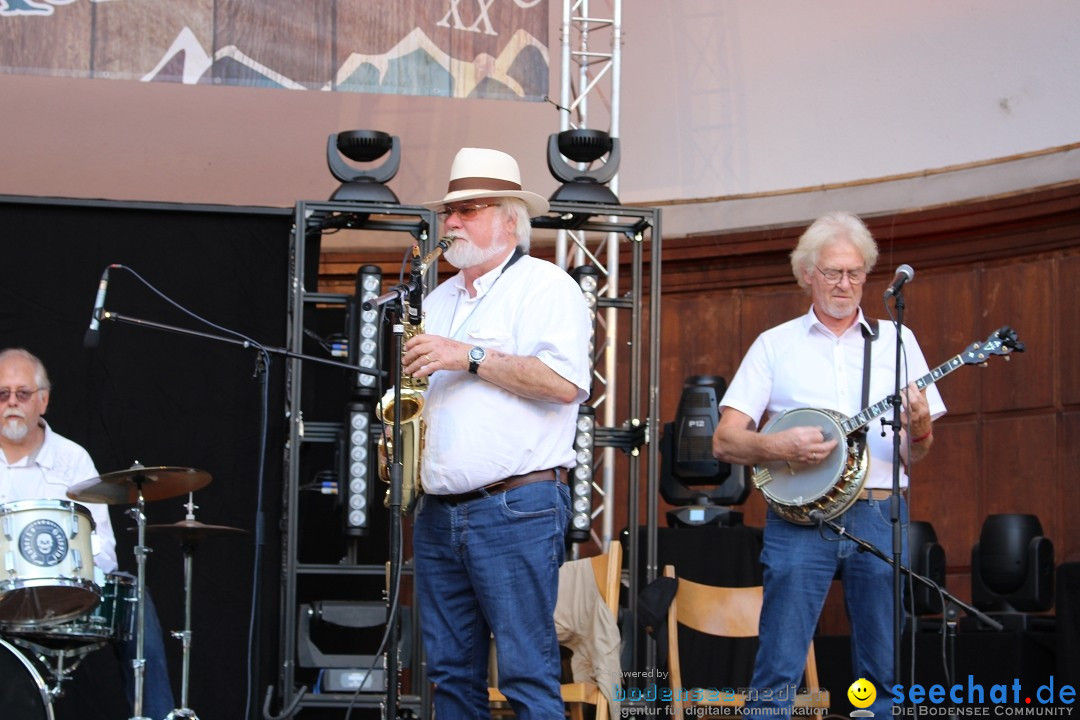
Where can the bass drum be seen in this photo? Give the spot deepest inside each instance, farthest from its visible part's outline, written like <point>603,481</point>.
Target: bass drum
<point>23,694</point>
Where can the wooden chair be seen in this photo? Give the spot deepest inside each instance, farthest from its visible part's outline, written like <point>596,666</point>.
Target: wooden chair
<point>724,612</point>
<point>607,571</point>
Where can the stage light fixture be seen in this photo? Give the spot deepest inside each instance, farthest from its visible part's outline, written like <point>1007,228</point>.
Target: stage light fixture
<point>363,146</point>
<point>581,478</point>
<point>928,560</point>
<point>690,476</point>
<point>365,338</point>
<point>1012,566</point>
<point>358,469</point>
<point>583,147</point>
<point>588,279</point>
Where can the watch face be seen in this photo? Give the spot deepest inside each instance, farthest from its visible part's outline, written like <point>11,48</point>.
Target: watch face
<point>476,354</point>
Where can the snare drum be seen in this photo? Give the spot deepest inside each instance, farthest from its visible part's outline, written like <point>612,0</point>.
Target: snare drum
<point>112,620</point>
<point>23,694</point>
<point>48,562</point>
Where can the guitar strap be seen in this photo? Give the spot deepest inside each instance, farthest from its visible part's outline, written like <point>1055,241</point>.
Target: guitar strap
<point>869,336</point>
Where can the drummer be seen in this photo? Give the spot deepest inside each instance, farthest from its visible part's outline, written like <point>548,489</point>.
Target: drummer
<point>39,464</point>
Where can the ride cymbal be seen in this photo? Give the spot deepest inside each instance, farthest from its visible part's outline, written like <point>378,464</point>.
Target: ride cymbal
<point>123,486</point>
<point>188,531</point>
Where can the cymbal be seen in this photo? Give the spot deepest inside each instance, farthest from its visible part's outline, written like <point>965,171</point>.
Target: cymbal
<point>122,487</point>
<point>191,531</point>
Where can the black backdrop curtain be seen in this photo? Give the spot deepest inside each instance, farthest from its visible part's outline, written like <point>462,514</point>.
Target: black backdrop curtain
<point>164,399</point>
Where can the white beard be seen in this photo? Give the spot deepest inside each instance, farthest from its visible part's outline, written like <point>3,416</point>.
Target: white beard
<point>15,428</point>
<point>463,254</point>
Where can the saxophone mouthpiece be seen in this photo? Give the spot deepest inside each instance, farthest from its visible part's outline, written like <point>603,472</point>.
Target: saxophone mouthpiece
<point>440,247</point>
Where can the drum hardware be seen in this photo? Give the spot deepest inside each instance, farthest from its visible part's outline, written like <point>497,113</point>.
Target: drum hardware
<point>47,556</point>
<point>23,693</point>
<point>139,485</point>
<point>189,532</point>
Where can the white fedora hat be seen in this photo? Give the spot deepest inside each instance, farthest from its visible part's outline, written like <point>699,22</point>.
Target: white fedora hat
<point>484,173</point>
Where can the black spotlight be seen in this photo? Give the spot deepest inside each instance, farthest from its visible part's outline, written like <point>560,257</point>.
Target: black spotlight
<point>928,560</point>
<point>689,474</point>
<point>1012,567</point>
<point>363,146</point>
<point>583,147</point>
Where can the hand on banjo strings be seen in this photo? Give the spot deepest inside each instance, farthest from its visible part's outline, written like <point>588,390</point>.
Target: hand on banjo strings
<point>806,444</point>
<point>915,409</point>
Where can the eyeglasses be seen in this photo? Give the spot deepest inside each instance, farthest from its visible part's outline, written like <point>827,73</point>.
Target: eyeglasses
<point>465,212</point>
<point>22,394</point>
<point>833,277</point>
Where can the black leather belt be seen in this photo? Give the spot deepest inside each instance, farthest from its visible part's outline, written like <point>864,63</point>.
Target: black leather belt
<point>516,481</point>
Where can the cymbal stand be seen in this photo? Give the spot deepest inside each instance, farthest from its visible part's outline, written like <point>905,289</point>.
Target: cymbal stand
<point>139,663</point>
<point>184,636</point>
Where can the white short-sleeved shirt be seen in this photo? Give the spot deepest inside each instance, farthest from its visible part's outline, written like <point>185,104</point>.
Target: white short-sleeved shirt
<point>802,364</point>
<point>476,432</point>
<point>47,474</point>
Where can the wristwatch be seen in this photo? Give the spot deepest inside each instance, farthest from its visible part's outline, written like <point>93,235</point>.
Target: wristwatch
<point>476,356</point>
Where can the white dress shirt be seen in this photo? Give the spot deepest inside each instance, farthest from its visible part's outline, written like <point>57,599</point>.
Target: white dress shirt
<point>476,432</point>
<point>802,364</point>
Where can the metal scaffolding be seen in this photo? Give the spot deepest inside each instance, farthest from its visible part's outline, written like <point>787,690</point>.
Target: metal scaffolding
<point>588,72</point>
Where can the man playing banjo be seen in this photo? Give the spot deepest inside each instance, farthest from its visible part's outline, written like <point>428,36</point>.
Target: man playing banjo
<point>817,361</point>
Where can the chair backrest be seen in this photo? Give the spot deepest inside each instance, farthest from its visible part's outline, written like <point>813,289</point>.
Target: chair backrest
<point>607,569</point>
<point>724,612</point>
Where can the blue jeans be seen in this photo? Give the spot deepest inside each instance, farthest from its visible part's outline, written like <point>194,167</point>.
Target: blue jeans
<point>799,566</point>
<point>157,690</point>
<point>487,567</point>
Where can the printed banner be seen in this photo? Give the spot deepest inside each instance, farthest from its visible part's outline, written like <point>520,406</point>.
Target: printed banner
<point>452,48</point>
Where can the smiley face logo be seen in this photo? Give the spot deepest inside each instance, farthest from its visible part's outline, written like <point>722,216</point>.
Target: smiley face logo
<point>862,693</point>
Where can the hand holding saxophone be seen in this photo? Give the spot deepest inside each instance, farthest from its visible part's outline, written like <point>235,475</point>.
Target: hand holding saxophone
<point>426,353</point>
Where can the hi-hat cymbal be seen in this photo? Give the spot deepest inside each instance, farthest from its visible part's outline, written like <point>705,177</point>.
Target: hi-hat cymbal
<point>156,483</point>
<point>191,531</point>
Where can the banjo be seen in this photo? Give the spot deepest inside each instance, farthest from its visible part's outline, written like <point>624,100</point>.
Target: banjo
<point>793,490</point>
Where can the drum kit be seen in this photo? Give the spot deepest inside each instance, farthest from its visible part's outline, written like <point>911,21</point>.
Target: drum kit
<point>52,607</point>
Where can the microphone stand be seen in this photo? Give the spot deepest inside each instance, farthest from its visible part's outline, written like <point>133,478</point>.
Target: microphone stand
<point>395,302</point>
<point>284,352</point>
<point>894,498</point>
<point>949,601</point>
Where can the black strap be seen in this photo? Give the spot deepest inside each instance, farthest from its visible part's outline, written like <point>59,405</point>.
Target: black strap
<point>870,334</point>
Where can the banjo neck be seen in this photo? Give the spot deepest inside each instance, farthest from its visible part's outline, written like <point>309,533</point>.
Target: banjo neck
<point>1002,341</point>
<point>869,414</point>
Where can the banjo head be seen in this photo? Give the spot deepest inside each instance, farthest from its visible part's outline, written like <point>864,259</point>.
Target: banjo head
<point>793,490</point>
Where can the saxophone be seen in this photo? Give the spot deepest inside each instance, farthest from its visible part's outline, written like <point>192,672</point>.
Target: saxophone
<point>408,415</point>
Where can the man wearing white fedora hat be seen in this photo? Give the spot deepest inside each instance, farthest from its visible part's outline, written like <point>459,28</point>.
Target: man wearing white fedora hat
<point>506,350</point>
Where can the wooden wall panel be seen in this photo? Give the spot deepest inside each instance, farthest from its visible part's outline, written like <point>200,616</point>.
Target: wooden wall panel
<point>1068,329</point>
<point>699,335</point>
<point>1019,294</point>
<point>1018,472</point>
<point>945,489</point>
<point>1067,497</point>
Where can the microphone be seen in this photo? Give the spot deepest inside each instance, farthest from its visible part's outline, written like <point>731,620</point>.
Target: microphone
<point>817,517</point>
<point>93,334</point>
<point>904,274</point>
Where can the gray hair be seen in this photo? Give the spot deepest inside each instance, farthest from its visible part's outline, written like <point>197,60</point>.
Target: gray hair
<point>41,377</point>
<point>829,228</point>
<point>513,207</point>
